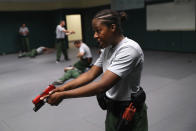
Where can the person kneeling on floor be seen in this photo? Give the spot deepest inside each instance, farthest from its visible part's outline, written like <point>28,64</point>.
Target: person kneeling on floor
<point>80,66</point>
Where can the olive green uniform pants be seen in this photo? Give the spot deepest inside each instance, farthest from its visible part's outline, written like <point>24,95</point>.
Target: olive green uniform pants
<point>139,122</point>
<point>61,47</point>
<point>33,53</point>
<point>79,67</point>
<point>74,73</point>
<point>25,46</point>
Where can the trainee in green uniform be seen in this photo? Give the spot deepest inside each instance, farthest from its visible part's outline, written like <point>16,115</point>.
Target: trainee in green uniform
<point>24,37</point>
<point>61,41</point>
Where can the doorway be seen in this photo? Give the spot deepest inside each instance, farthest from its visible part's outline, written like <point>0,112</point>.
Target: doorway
<point>74,23</point>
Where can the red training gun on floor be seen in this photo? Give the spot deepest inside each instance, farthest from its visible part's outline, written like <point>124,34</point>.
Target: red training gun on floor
<point>39,103</point>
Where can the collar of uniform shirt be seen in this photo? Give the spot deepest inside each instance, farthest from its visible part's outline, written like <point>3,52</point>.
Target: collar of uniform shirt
<point>112,48</point>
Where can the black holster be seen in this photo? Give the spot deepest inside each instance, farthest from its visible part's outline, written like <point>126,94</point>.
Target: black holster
<point>102,100</point>
<point>138,98</point>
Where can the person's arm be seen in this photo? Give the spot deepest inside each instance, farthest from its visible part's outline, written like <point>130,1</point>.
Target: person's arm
<point>68,68</point>
<point>107,81</point>
<point>69,32</point>
<point>83,79</point>
<point>20,31</point>
<point>27,31</point>
<point>80,54</point>
<point>62,29</point>
<point>47,50</point>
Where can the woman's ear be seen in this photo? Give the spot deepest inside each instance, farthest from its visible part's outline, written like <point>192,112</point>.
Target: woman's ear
<point>113,27</point>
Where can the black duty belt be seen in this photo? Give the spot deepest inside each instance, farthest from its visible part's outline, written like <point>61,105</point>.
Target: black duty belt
<point>60,38</point>
<point>116,107</point>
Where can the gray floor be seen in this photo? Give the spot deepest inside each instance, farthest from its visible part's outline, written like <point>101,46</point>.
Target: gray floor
<point>168,78</point>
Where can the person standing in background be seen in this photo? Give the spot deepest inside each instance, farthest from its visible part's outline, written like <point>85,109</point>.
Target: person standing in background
<point>61,46</point>
<point>24,36</point>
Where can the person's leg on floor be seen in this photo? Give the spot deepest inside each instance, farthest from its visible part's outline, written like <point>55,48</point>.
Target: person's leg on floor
<point>26,44</point>
<point>33,53</point>
<point>67,75</point>
<point>75,73</point>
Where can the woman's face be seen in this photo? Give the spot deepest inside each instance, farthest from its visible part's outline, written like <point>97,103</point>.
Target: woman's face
<point>103,33</point>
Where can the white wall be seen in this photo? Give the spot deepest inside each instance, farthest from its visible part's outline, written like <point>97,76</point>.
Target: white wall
<point>171,16</point>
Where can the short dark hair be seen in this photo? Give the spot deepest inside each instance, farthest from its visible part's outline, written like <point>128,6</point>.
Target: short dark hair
<point>62,21</point>
<point>110,17</point>
<point>77,42</point>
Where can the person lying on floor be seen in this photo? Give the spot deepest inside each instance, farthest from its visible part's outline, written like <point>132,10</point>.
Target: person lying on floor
<point>80,66</point>
<point>34,52</point>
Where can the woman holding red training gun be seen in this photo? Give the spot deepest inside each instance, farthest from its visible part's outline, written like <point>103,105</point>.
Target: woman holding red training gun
<point>121,63</point>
